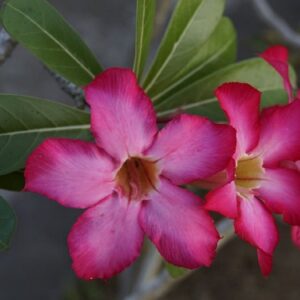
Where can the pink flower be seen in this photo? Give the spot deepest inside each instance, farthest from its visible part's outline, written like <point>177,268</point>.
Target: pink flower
<point>259,186</point>
<point>277,57</point>
<point>128,180</point>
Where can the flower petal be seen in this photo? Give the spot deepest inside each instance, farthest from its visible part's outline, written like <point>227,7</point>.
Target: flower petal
<point>219,179</point>
<point>72,172</point>
<point>265,262</point>
<point>295,233</point>
<point>280,190</point>
<point>181,229</point>
<point>122,116</point>
<point>241,102</point>
<point>277,57</point>
<point>106,238</point>
<point>256,225</point>
<point>223,200</point>
<point>279,136</point>
<point>192,147</point>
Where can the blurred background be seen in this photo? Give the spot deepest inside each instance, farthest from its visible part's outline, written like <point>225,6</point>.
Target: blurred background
<point>37,267</point>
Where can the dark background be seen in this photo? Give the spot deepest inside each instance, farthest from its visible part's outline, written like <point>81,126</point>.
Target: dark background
<point>37,267</point>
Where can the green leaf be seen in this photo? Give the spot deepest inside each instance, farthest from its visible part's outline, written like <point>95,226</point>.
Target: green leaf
<point>26,122</point>
<point>191,25</point>
<point>199,96</point>
<point>13,181</point>
<point>275,97</point>
<point>213,111</point>
<point>7,224</point>
<point>218,52</point>
<point>174,271</point>
<point>145,13</point>
<point>39,27</point>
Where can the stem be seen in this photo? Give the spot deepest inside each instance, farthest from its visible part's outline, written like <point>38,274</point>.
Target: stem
<point>149,267</point>
<point>69,88</point>
<point>125,281</point>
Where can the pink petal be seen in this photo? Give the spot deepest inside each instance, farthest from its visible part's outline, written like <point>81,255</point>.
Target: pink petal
<point>290,164</point>
<point>223,200</point>
<point>122,116</point>
<point>106,238</point>
<point>281,192</point>
<point>181,229</point>
<point>265,262</point>
<point>219,179</point>
<point>72,172</point>
<point>295,233</point>
<point>280,132</point>
<point>241,102</point>
<point>192,147</point>
<point>256,225</point>
<point>296,165</point>
<point>277,57</point>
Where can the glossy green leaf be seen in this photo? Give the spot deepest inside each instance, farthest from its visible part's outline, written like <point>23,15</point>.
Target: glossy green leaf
<point>145,13</point>
<point>275,97</point>
<point>218,52</point>
<point>174,271</point>
<point>191,25</point>
<point>7,224</point>
<point>199,96</point>
<point>213,111</point>
<point>25,122</point>
<point>40,28</point>
<point>12,181</point>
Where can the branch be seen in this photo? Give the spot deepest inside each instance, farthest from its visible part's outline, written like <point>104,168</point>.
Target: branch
<point>7,45</point>
<point>269,16</point>
<point>149,267</point>
<point>149,291</point>
<point>125,282</point>
<point>161,284</point>
<point>69,88</point>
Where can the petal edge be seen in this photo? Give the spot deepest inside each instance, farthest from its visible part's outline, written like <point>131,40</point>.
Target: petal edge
<point>105,239</point>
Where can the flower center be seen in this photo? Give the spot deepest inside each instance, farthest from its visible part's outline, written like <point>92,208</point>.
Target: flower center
<point>249,172</point>
<point>137,177</point>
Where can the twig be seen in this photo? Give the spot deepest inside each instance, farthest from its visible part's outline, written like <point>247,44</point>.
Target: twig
<point>147,270</point>
<point>269,16</point>
<point>149,291</point>
<point>70,88</point>
<point>7,45</point>
<point>149,267</point>
<point>160,285</point>
<point>125,281</point>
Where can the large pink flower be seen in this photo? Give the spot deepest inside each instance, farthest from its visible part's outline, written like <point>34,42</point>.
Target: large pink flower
<point>277,57</point>
<point>128,180</point>
<point>260,185</point>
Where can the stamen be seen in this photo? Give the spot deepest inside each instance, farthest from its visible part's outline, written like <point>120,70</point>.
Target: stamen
<point>137,177</point>
<point>249,172</point>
